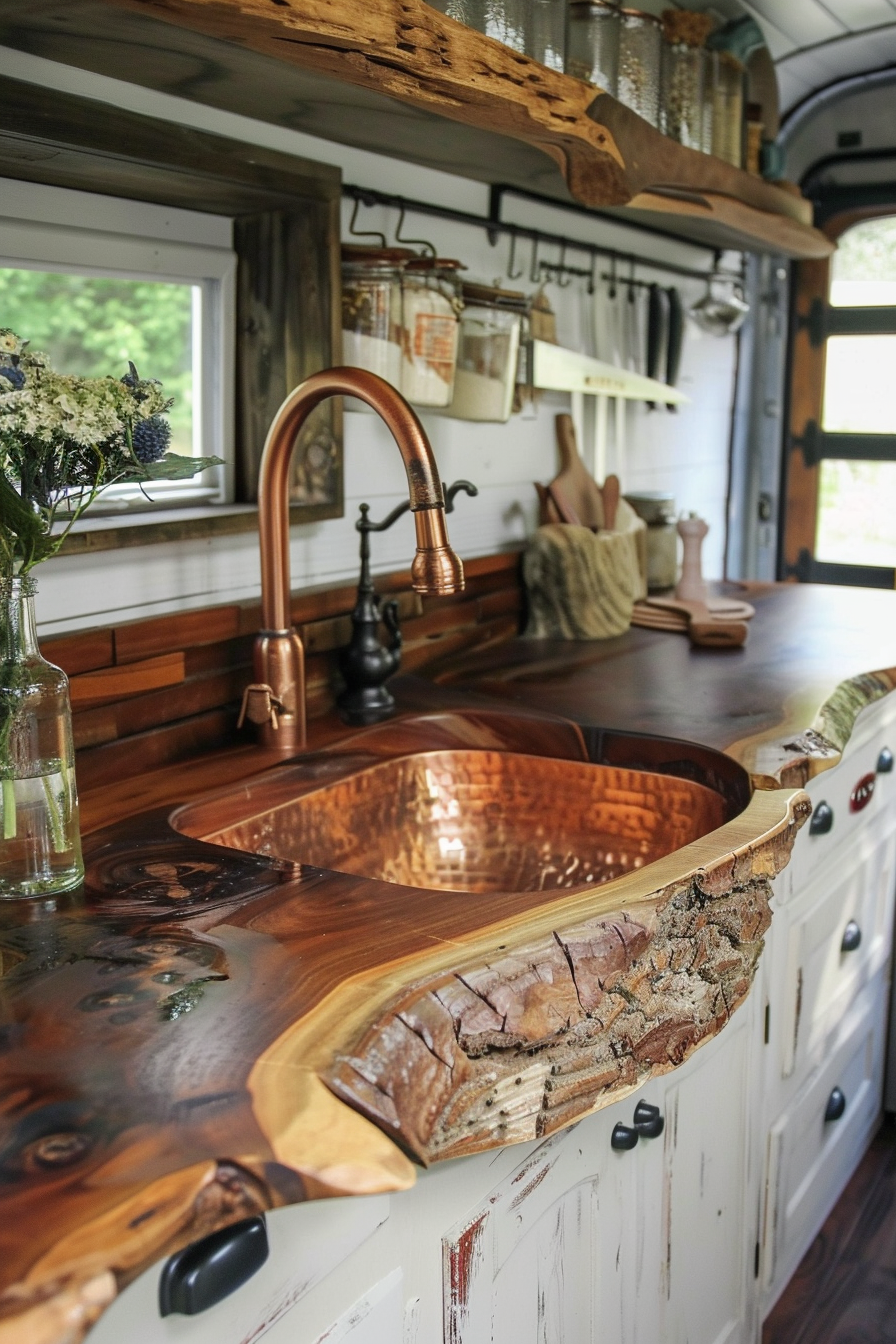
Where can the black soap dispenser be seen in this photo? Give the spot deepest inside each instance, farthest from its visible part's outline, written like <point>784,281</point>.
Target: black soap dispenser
<point>366,663</point>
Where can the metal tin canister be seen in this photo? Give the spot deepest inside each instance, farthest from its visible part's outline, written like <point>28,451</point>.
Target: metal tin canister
<point>658,511</point>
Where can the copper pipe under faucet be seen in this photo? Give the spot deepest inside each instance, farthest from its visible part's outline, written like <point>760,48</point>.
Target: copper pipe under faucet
<point>276,700</point>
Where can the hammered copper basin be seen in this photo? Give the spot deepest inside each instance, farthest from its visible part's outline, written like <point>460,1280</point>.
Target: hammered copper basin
<point>483,821</point>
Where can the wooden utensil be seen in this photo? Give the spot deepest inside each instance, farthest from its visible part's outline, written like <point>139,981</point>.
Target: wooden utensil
<point>719,623</point>
<point>719,608</point>
<point>610,493</point>
<point>708,632</point>
<point>573,483</point>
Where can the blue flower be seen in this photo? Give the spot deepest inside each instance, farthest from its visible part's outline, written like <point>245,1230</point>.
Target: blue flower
<point>12,375</point>
<point>152,438</point>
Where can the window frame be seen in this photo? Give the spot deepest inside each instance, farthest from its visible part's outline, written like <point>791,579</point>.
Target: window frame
<point>109,237</point>
<point>66,140</point>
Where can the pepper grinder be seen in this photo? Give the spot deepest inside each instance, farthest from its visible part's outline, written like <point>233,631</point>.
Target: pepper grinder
<point>366,663</point>
<point>691,587</point>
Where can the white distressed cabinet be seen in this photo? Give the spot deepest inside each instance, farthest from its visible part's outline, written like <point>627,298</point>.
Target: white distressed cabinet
<point>825,980</point>
<point>688,1238</point>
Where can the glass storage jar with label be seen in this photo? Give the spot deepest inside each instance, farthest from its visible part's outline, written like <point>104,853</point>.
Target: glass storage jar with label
<point>592,43</point>
<point>372,309</point>
<point>640,56</point>
<point>431,310</point>
<point>490,325</point>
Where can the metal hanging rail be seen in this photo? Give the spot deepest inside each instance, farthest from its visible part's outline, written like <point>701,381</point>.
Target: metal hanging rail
<point>495,226</point>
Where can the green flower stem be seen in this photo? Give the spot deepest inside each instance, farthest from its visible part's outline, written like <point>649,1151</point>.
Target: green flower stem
<point>9,808</point>
<point>54,813</point>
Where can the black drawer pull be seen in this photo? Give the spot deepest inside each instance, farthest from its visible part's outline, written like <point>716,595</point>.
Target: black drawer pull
<point>203,1273</point>
<point>648,1121</point>
<point>885,762</point>
<point>623,1138</point>
<point>835,1107</point>
<point>852,937</point>
<point>822,819</point>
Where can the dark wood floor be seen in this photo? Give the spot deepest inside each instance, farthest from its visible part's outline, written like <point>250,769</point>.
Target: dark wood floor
<point>844,1292</point>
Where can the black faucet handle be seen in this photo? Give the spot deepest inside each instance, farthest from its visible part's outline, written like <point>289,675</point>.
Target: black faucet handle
<point>468,488</point>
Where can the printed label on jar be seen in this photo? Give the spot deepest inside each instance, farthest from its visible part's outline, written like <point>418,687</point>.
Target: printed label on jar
<point>435,341</point>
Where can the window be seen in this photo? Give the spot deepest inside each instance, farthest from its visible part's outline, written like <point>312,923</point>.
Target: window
<point>120,280</point>
<point>857,491</point>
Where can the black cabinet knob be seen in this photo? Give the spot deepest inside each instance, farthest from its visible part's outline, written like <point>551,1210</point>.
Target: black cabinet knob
<point>623,1138</point>
<point>822,819</point>
<point>885,762</point>
<point>835,1107</point>
<point>206,1271</point>
<point>648,1121</point>
<point>852,937</point>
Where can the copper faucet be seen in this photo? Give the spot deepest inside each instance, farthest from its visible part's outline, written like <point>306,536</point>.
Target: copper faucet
<point>276,700</point>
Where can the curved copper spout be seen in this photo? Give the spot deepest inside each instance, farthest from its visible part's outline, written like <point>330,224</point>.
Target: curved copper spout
<point>277,700</point>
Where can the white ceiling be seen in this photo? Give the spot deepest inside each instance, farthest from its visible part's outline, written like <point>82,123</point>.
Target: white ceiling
<point>815,44</point>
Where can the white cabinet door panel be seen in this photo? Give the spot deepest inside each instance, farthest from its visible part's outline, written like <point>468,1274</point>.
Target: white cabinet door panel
<point>376,1318</point>
<point>820,979</point>
<point>810,1160</point>
<point>709,1196</point>
<point>545,1258</point>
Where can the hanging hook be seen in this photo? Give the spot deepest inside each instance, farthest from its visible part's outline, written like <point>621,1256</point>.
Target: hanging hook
<point>592,278</point>
<point>563,279</point>
<point>420,242</point>
<point>632,283</point>
<point>534,269</point>
<point>364,233</point>
<point>612,293</point>
<point>511,262</point>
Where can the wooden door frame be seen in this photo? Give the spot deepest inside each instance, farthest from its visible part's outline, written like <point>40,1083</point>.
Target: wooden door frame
<point>806,364</point>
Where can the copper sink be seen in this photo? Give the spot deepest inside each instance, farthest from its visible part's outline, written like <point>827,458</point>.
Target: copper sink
<point>463,820</point>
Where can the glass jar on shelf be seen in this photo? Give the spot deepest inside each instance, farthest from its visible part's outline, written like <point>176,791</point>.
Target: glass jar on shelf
<point>372,309</point>
<point>431,308</point>
<point>506,21</point>
<point>710,80</point>
<point>488,352</point>
<point>546,32</point>
<point>682,98</point>
<point>592,43</point>
<point>640,56</point>
<point>469,12</point>
<point>728,110</point>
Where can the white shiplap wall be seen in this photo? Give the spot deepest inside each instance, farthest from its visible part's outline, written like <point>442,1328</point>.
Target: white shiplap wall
<point>685,453</point>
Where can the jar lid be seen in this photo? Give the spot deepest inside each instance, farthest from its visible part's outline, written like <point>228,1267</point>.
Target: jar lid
<point>653,506</point>
<point>610,6</point>
<point>376,256</point>
<point>427,263</point>
<point>492,296</point>
<point>642,14</point>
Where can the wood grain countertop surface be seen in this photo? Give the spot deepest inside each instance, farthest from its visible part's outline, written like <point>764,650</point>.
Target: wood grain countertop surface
<point>783,706</point>
<point>202,1033</point>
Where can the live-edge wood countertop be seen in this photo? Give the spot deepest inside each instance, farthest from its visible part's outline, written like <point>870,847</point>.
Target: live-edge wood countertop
<point>179,1040</point>
<point>783,706</point>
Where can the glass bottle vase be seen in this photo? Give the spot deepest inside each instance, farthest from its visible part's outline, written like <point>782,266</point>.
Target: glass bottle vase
<point>40,843</point>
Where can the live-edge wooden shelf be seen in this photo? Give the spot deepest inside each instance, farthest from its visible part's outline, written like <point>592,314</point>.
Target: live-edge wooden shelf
<point>398,77</point>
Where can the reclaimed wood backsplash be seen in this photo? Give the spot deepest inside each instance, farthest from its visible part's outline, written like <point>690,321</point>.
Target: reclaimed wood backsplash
<point>152,692</point>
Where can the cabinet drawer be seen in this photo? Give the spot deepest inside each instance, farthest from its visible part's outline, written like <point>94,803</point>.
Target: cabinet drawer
<point>846,800</point>
<point>810,1158</point>
<point>838,939</point>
